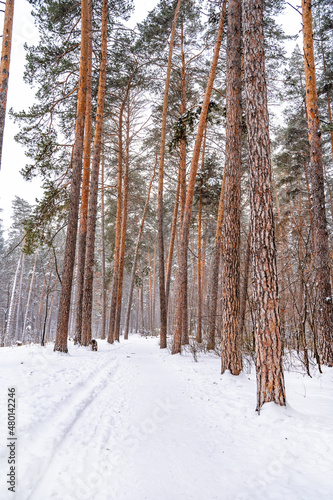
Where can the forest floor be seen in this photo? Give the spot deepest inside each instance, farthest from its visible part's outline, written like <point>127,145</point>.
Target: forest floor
<point>132,422</point>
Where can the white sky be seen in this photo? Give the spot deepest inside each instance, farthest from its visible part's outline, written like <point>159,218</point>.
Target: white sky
<point>20,96</point>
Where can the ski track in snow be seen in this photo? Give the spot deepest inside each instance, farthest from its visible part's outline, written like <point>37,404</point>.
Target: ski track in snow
<point>132,422</point>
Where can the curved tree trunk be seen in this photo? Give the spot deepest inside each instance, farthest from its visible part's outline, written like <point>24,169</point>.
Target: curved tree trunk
<point>4,66</point>
<point>321,248</point>
<point>185,230</point>
<point>93,190</point>
<point>69,256</point>
<point>270,380</point>
<point>231,354</point>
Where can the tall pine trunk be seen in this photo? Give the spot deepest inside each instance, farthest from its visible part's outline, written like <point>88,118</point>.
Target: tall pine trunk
<point>103,328</point>
<point>4,66</point>
<point>321,248</point>
<point>93,189</point>
<point>185,229</point>
<point>270,380</point>
<point>199,248</point>
<point>163,304</point>
<point>69,255</point>
<point>115,279</point>
<point>82,235</point>
<point>231,355</point>
<point>123,225</point>
<point>182,174</point>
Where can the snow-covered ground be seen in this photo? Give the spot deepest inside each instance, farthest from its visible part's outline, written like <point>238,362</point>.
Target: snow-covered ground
<point>133,422</point>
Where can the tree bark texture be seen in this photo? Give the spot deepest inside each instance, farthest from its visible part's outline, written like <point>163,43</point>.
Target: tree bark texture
<point>244,293</point>
<point>185,229</point>
<point>4,66</point>
<point>321,248</point>
<point>93,189</point>
<point>231,354</point>
<point>163,305</point>
<point>270,379</point>
<point>69,255</point>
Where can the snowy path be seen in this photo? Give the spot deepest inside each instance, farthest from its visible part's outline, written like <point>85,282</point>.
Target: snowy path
<point>132,422</point>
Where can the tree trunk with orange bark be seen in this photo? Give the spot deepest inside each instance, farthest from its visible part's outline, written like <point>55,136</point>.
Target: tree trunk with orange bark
<point>321,247</point>
<point>182,174</point>
<point>163,304</point>
<point>82,236</point>
<point>270,380</point>
<point>199,275</point>
<point>185,229</point>
<point>93,188</point>
<point>328,99</point>
<point>73,210</point>
<point>4,66</point>
<point>231,354</point>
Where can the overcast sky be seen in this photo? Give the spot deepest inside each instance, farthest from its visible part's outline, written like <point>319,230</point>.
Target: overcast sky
<point>20,96</point>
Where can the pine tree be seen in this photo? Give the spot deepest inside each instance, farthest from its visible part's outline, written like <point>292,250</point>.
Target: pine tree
<point>270,380</point>
<point>82,234</point>
<point>231,342</point>
<point>68,265</point>
<point>323,284</point>
<point>93,188</point>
